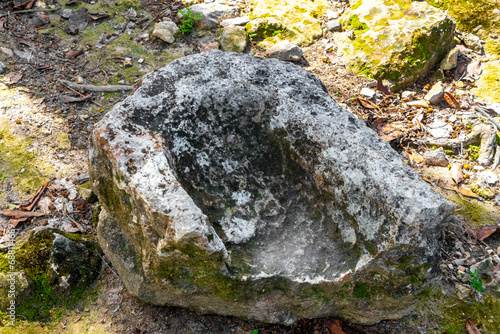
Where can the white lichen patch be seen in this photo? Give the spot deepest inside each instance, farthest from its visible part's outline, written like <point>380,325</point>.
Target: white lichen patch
<point>238,230</point>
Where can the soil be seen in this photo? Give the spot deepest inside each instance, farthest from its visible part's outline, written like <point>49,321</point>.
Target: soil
<point>36,120</point>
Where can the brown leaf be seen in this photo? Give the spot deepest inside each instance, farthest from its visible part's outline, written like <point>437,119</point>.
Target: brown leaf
<point>381,88</point>
<point>14,222</point>
<point>12,77</point>
<point>471,327</point>
<point>335,326</point>
<point>485,231</point>
<point>452,101</point>
<point>74,54</point>
<point>456,173</point>
<point>390,131</point>
<point>367,104</point>
<point>21,214</point>
<point>466,192</point>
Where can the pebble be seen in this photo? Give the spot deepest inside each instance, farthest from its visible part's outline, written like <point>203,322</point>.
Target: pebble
<point>127,62</point>
<point>408,95</point>
<point>3,68</point>
<point>66,13</point>
<point>488,177</point>
<point>285,50</point>
<point>436,157</point>
<point>140,61</point>
<point>369,93</point>
<point>331,15</point>
<point>237,21</point>
<point>333,25</point>
<point>79,80</point>
<point>436,94</point>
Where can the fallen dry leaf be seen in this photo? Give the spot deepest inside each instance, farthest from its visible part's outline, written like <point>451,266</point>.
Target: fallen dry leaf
<point>390,131</point>
<point>335,326</point>
<point>452,101</point>
<point>483,232</point>
<point>456,173</point>
<point>14,222</point>
<point>12,77</point>
<point>367,104</point>
<point>74,54</point>
<point>471,327</point>
<point>381,88</point>
<point>466,192</point>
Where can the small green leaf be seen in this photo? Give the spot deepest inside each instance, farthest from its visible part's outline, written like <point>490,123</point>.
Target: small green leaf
<point>255,331</point>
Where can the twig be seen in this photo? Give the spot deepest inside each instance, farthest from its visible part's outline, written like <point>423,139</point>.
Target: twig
<point>30,11</point>
<point>92,88</point>
<point>488,117</point>
<point>21,214</point>
<point>32,202</point>
<point>81,95</point>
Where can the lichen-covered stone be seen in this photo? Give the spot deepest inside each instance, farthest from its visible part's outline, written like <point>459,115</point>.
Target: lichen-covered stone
<point>211,14</point>
<point>166,31</point>
<point>398,40</point>
<point>298,21</point>
<point>236,185</point>
<point>285,50</point>
<point>234,39</point>
<point>482,189</point>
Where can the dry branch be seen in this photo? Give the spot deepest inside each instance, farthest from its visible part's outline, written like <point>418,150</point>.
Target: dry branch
<point>21,214</point>
<point>92,88</point>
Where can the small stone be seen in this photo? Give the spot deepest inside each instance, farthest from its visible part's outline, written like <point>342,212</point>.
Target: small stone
<point>331,15</point>
<point>488,176</point>
<point>408,95</point>
<point>369,93</point>
<point>419,103</point>
<point>478,168</point>
<point>333,25</point>
<point>462,291</point>
<point>127,62</point>
<point>66,13</point>
<point>234,38</point>
<point>63,141</point>
<point>436,94</point>
<point>450,61</point>
<point>82,178</point>
<point>166,31</point>
<point>439,129</point>
<point>438,75</point>
<point>482,189</point>
<point>3,68</point>
<point>237,21</point>
<point>79,80</point>
<point>121,82</point>
<point>473,42</point>
<point>140,61</point>
<point>436,157</point>
<point>211,14</point>
<point>285,50</point>
<point>460,268</point>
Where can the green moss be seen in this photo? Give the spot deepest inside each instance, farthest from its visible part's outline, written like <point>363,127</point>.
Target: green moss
<point>488,85</point>
<point>63,142</point>
<point>360,290</point>
<point>355,24</point>
<point>16,154</point>
<point>473,211</point>
<point>492,46</point>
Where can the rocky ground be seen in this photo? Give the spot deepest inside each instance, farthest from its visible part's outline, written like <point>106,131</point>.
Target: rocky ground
<point>49,46</point>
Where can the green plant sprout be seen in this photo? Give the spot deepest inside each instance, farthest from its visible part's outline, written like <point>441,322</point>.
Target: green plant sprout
<point>476,284</point>
<point>188,20</point>
<point>255,331</point>
<point>3,177</point>
<point>251,36</point>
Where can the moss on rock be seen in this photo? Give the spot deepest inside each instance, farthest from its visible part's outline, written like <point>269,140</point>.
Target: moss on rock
<point>488,85</point>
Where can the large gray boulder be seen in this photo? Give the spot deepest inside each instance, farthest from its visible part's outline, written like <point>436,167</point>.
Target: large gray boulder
<point>236,185</point>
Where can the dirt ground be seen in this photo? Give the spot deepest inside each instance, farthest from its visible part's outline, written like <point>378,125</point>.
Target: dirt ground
<point>45,124</point>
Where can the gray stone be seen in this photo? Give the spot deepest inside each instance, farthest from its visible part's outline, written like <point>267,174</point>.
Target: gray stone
<point>473,42</point>
<point>408,95</point>
<point>333,25</point>
<point>3,68</point>
<point>166,31</point>
<point>66,13</point>
<point>439,129</point>
<point>436,157</point>
<point>367,92</point>
<point>331,15</point>
<point>82,178</point>
<point>285,50</point>
<point>233,39</point>
<point>236,185</point>
<point>211,14</point>
<point>436,94</point>
<point>237,21</point>
<point>450,61</point>
<point>488,176</point>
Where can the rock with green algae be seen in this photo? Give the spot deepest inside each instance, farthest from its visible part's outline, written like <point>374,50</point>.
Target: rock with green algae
<point>245,195</point>
<point>488,85</point>
<point>298,21</point>
<point>233,39</point>
<point>482,189</point>
<point>13,287</point>
<point>397,40</point>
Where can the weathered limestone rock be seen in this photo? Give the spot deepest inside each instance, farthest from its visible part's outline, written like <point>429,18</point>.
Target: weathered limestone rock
<point>233,39</point>
<point>435,94</point>
<point>436,157</point>
<point>285,50</point>
<point>234,184</point>
<point>398,40</point>
<point>450,61</point>
<point>298,21</point>
<point>212,14</point>
<point>237,21</point>
<point>166,31</point>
